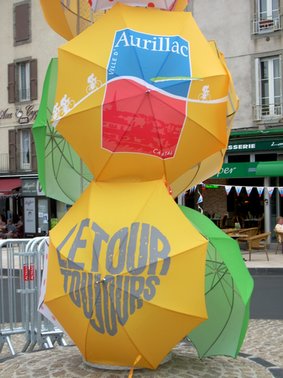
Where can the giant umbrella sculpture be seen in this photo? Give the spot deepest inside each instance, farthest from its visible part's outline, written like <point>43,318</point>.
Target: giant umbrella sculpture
<point>229,287</point>
<point>71,17</point>
<point>149,103</point>
<point>62,174</point>
<point>126,285</point>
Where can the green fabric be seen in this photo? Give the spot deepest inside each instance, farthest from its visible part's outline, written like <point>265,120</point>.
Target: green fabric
<point>270,169</point>
<point>237,170</point>
<point>62,174</point>
<point>229,287</point>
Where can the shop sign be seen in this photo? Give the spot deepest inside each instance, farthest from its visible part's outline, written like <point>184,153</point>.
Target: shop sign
<point>31,187</point>
<point>4,114</point>
<point>260,145</point>
<point>29,215</point>
<point>22,115</point>
<point>237,170</point>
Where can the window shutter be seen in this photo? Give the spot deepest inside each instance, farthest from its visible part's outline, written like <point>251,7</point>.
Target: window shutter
<point>33,79</point>
<point>33,154</point>
<point>11,83</point>
<point>22,23</point>
<point>12,151</point>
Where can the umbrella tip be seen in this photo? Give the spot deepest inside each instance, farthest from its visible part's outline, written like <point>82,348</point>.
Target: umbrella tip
<point>147,91</point>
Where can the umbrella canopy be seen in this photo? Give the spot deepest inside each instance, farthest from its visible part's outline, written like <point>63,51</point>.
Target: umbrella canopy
<point>70,17</point>
<point>124,282</point>
<point>61,172</point>
<point>212,164</point>
<point>151,103</point>
<point>229,287</point>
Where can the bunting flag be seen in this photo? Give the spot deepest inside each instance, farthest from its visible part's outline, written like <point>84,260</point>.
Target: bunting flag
<point>260,190</point>
<point>248,190</point>
<point>270,190</point>
<point>238,189</point>
<point>228,189</point>
<point>280,190</point>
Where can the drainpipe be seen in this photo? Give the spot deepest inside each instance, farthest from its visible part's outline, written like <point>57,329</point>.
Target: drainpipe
<point>266,206</point>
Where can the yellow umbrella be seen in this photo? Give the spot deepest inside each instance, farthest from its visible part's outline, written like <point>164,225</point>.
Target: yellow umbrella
<point>123,280</point>
<point>138,100</point>
<point>212,164</point>
<point>70,17</point>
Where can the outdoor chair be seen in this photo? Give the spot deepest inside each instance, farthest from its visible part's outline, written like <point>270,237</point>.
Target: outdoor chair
<point>247,233</point>
<point>279,238</point>
<point>258,242</point>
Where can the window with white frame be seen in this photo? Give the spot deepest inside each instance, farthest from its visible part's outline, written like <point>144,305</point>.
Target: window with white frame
<point>267,18</point>
<point>25,150</point>
<point>269,87</point>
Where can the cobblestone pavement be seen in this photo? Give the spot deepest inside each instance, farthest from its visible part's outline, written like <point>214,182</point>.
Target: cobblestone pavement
<point>261,356</point>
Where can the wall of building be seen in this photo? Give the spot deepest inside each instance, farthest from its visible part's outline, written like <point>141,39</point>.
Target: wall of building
<point>230,23</point>
<point>43,46</point>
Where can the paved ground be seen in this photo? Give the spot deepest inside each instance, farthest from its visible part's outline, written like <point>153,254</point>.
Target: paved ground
<point>261,355</point>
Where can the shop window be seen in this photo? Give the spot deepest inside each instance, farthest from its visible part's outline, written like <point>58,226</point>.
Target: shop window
<point>238,158</point>
<point>22,20</point>
<point>265,157</point>
<point>267,16</point>
<point>268,88</point>
<point>22,81</point>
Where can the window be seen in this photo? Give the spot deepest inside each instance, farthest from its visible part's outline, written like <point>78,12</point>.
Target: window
<point>23,74</point>
<point>22,29</point>
<point>267,18</point>
<point>22,81</point>
<point>25,151</point>
<point>269,88</point>
<point>22,155</point>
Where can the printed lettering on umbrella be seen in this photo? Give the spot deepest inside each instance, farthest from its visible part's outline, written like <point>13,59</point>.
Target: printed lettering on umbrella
<point>145,103</point>
<point>134,259</point>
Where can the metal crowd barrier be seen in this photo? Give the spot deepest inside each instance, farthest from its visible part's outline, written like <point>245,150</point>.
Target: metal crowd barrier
<point>21,266</point>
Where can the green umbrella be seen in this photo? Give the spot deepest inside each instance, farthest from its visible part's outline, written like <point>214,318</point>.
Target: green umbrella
<point>62,174</point>
<point>229,287</point>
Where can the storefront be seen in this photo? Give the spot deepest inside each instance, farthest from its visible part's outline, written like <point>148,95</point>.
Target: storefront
<point>253,178</point>
<point>10,198</point>
<point>36,208</point>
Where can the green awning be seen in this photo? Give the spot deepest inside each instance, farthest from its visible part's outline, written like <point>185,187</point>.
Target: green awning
<point>237,170</point>
<point>270,169</point>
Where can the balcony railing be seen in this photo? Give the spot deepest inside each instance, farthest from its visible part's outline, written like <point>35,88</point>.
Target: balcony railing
<point>19,166</point>
<point>271,111</point>
<point>4,163</point>
<point>267,25</point>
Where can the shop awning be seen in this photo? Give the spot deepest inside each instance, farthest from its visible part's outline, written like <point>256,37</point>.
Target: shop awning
<point>237,170</point>
<point>270,169</point>
<point>8,185</point>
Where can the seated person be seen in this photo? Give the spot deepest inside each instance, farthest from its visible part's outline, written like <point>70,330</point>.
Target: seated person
<point>20,227</point>
<point>279,228</point>
<point>11,230</point>
<point>2,223</point>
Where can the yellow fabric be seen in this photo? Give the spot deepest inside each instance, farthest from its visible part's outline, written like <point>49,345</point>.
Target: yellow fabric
<point>71,18</point>
<point>204,132</point>
<point>55,17</point>
<point>165,318</point>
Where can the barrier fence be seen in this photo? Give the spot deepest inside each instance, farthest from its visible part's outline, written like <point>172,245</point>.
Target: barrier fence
<point>21,267</point>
